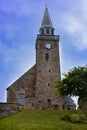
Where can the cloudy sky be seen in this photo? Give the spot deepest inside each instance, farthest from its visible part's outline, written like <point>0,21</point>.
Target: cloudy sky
<point>20,21</point>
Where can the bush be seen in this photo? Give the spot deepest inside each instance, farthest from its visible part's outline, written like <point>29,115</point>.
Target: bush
<point>78,118</point>
<point>75,118</point>
<point>66,116</point>
<point>82,117</point>
<point>85,112</point>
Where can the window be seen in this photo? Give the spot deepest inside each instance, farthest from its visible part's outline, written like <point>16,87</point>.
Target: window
<point>47,56</point>
<point>52,32</point>
<point>42,31</point>
<point>47,30</point>
<point>48,84</point>
<point>21,98</point>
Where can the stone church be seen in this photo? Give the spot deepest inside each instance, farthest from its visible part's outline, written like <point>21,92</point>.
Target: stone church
<point>35,89</point>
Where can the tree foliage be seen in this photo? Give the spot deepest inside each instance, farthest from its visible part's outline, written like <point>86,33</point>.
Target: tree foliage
<point>74,83</point>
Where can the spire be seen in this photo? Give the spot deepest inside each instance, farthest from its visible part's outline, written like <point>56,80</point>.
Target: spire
<point>46,22</point>
<point>46,26</point>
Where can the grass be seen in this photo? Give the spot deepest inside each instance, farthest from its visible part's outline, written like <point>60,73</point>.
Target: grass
<point>39,120</point>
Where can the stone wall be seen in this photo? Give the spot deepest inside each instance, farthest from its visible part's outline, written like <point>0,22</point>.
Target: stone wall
<point>9,108</point>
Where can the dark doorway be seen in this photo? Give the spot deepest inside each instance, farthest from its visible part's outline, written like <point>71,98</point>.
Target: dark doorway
<point>49,103</point>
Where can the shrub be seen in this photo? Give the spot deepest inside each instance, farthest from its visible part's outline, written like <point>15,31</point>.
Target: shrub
<point>78,118</point>
<point>85,112</point>
<point>66,116</point>
<point>75,118</point>
<point>82,117</point>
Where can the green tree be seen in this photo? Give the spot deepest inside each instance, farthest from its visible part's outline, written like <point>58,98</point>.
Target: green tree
<point>74,83</point>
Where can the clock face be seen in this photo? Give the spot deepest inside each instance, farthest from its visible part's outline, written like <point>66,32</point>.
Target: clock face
<point>48,46</point>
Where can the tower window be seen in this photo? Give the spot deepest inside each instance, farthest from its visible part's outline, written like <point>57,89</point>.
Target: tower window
<point>49,71</point>
<point>47,56</point>
<point>47,30</point>
<point>48,84</point>
<point>21,98</point>
<point>42,31</point>
<point>52,32</point>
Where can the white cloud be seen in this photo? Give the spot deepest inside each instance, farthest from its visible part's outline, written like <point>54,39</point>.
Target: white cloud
<point>73,25</point>
<point>16,60</point>
<point>76,27</point>
<point>73,20</point>
<point>17,7</point>
<point>84,9</point>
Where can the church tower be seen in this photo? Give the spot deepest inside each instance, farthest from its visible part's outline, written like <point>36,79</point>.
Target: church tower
<point>47,64</point>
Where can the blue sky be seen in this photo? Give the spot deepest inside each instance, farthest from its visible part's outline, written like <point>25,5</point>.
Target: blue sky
<point>20,21</point>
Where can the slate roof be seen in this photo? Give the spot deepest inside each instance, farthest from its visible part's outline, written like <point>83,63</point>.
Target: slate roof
<point>46,22</point>
<point>68,100</point>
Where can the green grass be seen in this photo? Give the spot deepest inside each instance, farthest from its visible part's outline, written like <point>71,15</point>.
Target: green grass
<point>39,120</point>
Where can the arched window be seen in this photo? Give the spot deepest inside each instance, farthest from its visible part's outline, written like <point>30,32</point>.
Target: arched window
<point>47,56</point>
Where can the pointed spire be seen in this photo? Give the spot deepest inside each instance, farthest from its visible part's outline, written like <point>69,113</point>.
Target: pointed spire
<point>46,26</point>
<point>46,22</point>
